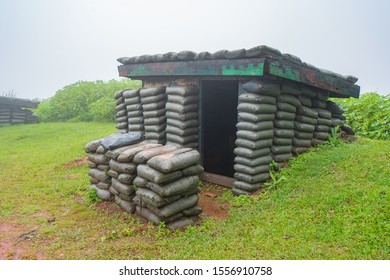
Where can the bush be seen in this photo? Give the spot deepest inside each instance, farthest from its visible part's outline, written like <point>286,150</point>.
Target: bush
<point>369,115</point>
<point>83,101</point>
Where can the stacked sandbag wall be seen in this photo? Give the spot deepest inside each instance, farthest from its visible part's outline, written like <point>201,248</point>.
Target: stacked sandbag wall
<point>121,112</point>
<point>322,129</point>
<point>337,112</point>
<point>134,112</point>
<point>255,133</point>
<point>16,115</point>
<point>153,102</point>
<point>182,116</point>
<point>167,186</point>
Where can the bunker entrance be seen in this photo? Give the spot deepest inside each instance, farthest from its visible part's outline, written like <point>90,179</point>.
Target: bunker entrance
<point>219,118</point>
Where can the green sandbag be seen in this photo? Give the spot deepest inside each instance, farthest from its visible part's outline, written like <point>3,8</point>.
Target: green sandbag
<point>322,128</point>
<point>303,135</point>
<point>98,158</point>
<point>126,178</point>
<point>336,122</point>
<point>246,186</point>
<point>315,142</point>
<point>181,222</point>
<point>281,115</point>
<point>182,90</point>
<point>284,133</point>
<point>92,146</point>
<point>117,101</point>
<point>240,168</point>
<point>113,191</point>
<point>309,92</point>
<point>321,135</point>
<point>126,198</point>
<point>128,154</point>
<point>262,177</point>
<point>256,108</point>
<point>174,161</point>
<point>152,91</point>
<point>322,113</point>
<point>334,108</point>
<point>193,211</point>
<point>282,157</point>
<point>276,150</point>
<point>297,142</point>
<point>291,88</point>
<point>132,107</point>
<point>340,117</point>
<point>151,198</point>
<point>181,132</point>
<point>140,182</point>
<point>144,156</point>
<point>155,121</point>
<point>256,98</point>
<point>326,122</point>
<point>290,99</point>
<point>262,86</point>
<point>249,117</point>
<point>120,107</point>
<point>254,145</point>
<point>155,113</point>
<point>182,140</point>
<point>122,125</point>
<point>112,173</point>
<point>101,193</point>
<point>103,167</point>
<point>148,215</point>
<point>323,95</point>
<point>99,175</point>
<point>183,124</point>
<point>153,99</point>
<point>178,187</point>
<point>251,154</point>
<point>286,107</point>
<point>237,192</point>
<point>155,136</point>
<point>129,93</point>
<point>193,170</point>
<point>182,117</point>
<point>135,127</point>
<point>156,176</point>
<point>103,186</point>
<point>305,100</point>
<point>135,120</point>
<point>192,99</point>
<point>260,161</point>
<point>178,206</point>
<point>153,106</point>
<point>119,94</point>
<point>282,141</point>
<point>113,154</point>
<point>129,207</point>
<point>181,109</point>
<point>122,188</point>
<point>155,128</point>
<point>308,112</point>
<point>304,127</point>
<point>255,126</point>
<point>284,124</point>
<point>299,150</point>
<point>128,168</point>
<point>122,119</point>
<point>132,100</point>
<point>304,119</point>
<point>316,103</point>
<point>254,136</point>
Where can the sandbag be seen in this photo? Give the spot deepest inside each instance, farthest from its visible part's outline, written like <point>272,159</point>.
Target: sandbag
<point>262,177</point>
<point>186,55</point>
<point>246,186</point>
<point>254,162</point>
<point>248,97</point>
<point>315,142</point>
<point>193,170</point>
<point>155,136</point>
<point>334,108</point>
<point>304,119</point>
<point>252,154</point>
<point>113,154</point>
<point>178,206</point>
<point>113,191</point>
<point>237,192</point>
<point>181,109</point>
<point>136,127</point>
<point>321,135</point>
<point>322,128</point>
<point>121,125</point>
<point>151,198</point>
<point>98,158</point>
<point>122,119</point>
<point>340,117</point>
<point>323,95</point>
<point>304,127</point>
<point>129,93</point>
<point>347,129</point>
<point>182,90</point>
<point>183,100</point>
<point>103,186</point>
<point>284,133</point>
<point>251,170</point>
<point>303,135</point>
<point>122,188</point>
<point>193,211</point>
<point>128,168</point>
<point>254,136</point>
<point>281,149</point>
<point>133,107</point>
<point>281,115</point>
<point>235,54</point>
<point>286,107</point>
<point>256,108</point>
<point>155,128</point>
<point>156,176</point>
<point>155,121</point>
<point>117,140</point>
<point>249,117</point>
<point>144,156</point>
<point>182,140</point>
<point>103,167</point>
<point>178,187</point>
<point>253,144</point>
<point>182,117</point>
<point>265,87</point>
<point>140,182</point>
<point>255,126</point>
<point>148,215</point>
<point>153,106</point>
<point>126,178</point>
<point>305,100</point>
<point>297,142</point>
<point>152,91</point>
<point>181,132</point>
<point>300,150</point>
<point>155,113</point>
<point>120,107</point>
<point>132,100</point>
<point>308,112</point>
<point>282,157</point>
<point>100,175</point>
<point>284,124</point>
<point>291,88</point>
<point>263,51</point>
<point>282,141</point>
<point>174,161</point>
<point>153,99</point>
<point>308,92</point>
<point>326,122</point>
<point>112,173</point>
<point>290,99</point>
<point>316,103</point>
<point>102,194</point>
<point>336,122</point>
<point>135,120</point>
<point>181,222</point>
<point>325,114</point>
<point>119,94</point>
<point>135,113</point>
<point>182,124</point>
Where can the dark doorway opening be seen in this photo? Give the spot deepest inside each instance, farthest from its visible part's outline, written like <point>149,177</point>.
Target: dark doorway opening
<point>219,118</point>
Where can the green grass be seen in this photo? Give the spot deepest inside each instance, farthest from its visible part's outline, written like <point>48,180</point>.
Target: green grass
<point>334,204</point>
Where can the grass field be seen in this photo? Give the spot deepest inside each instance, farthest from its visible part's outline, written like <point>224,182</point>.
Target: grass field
<point>334,204</point>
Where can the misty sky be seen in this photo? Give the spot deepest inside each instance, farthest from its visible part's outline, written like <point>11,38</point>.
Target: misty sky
<point>48,44</point>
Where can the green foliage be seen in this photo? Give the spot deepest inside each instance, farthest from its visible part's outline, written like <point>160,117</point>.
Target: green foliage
<point>369,115</point>
<point>92,197</point>
<point>83,101</point>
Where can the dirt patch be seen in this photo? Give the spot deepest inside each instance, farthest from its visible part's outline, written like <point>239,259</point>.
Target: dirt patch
<point>209,200</point>
<point>78,162</point>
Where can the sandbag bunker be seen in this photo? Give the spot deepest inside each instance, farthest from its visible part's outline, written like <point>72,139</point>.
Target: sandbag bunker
<point>236,110</point>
